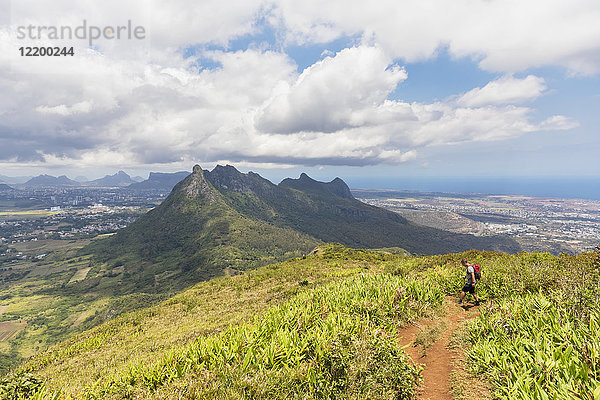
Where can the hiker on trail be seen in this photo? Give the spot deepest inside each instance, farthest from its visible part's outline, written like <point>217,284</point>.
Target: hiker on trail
<point>470,282</point>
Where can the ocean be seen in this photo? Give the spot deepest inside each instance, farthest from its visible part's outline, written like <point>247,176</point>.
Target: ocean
<point>560,187</point>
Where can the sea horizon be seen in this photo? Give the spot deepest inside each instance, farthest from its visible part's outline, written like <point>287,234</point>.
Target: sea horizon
<point>585,188</point>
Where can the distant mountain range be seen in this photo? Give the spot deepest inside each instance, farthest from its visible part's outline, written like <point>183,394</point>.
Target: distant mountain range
<point>120,179</point>
<point>4,186</point>
<point>220,220</point>
<point>48,180</point>
<point>156,181</point>
<point>14,179</point>
<point>160,181</point>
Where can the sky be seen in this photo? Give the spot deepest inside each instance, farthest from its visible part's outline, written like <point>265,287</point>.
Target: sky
<point>361,90</point>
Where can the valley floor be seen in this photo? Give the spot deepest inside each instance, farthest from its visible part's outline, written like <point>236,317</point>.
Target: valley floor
<point>537,224</point>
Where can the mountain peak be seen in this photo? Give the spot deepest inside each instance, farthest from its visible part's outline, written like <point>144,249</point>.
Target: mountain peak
<point>229,178</point>
<point>160,180</point>
<point>224,218</point>
<point>49,180</point>
<point>340,188</point>
<point>227,167</point>
<point>196,184</point>
<point>336,187</point>
<point>117,179</point>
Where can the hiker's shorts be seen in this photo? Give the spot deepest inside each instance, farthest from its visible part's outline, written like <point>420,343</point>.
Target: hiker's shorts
<point>468,288</point>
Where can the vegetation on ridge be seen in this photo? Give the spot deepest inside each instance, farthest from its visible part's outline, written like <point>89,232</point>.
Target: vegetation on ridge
<point>545,344</point>
<point>122,344</point>
<point>345,303</point>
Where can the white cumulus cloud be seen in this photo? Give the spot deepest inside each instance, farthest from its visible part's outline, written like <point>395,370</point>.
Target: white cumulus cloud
<point>150,103</point>
<point>503,35</point>
<point>337,92</point>
<point>505,90</point>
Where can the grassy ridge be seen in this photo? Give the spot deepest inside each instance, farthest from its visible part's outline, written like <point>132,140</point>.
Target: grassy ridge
<point>323,326</point>
<point>141,337</point>
<point>96,361</point>
<point>539,335</point>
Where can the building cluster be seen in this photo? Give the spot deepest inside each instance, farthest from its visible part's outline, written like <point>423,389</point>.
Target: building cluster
<point>64,197</point>
<point>71,213</point>
<point>537,219</point>
<point>70,223</point>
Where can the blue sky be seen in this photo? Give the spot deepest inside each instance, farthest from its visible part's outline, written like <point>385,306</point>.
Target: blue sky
<point>483,88</point>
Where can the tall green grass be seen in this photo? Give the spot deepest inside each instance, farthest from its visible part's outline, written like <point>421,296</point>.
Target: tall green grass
<point>336,341</point>
<point>503,275</point>
<point>533,348</point>
<point>544,342</point>
<point>539,335</point>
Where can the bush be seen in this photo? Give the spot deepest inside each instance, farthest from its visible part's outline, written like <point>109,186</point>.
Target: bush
<point>19,386</point>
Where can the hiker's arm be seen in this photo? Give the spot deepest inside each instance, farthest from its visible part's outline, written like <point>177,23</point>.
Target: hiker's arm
<point>473,278</point>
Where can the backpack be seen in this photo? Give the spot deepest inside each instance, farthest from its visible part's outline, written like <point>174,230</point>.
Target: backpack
<point>477,269</point>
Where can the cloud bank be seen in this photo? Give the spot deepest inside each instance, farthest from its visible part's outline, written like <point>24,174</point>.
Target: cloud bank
<point>152,103</point>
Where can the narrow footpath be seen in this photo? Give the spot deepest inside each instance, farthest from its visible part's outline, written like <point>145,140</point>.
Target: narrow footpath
<point>429,345</point>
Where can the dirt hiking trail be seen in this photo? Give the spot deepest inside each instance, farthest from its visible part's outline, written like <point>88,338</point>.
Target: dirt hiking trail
<point>430,344</point>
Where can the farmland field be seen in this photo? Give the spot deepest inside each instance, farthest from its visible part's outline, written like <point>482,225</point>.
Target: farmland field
<point>27,214</point>
<point>57,295</point>
<point>80,275</point>
<point>8,329</point>
<point>48,245</point>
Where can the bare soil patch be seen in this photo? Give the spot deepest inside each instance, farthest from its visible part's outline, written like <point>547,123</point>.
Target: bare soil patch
<point>442,356</point>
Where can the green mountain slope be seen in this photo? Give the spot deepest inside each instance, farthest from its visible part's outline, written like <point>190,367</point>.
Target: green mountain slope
<point>195,235</point>
<point>225,220</point>
<point>328,212</point>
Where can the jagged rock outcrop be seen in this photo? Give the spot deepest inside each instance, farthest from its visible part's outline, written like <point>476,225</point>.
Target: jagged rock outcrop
<point>196,184</point>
